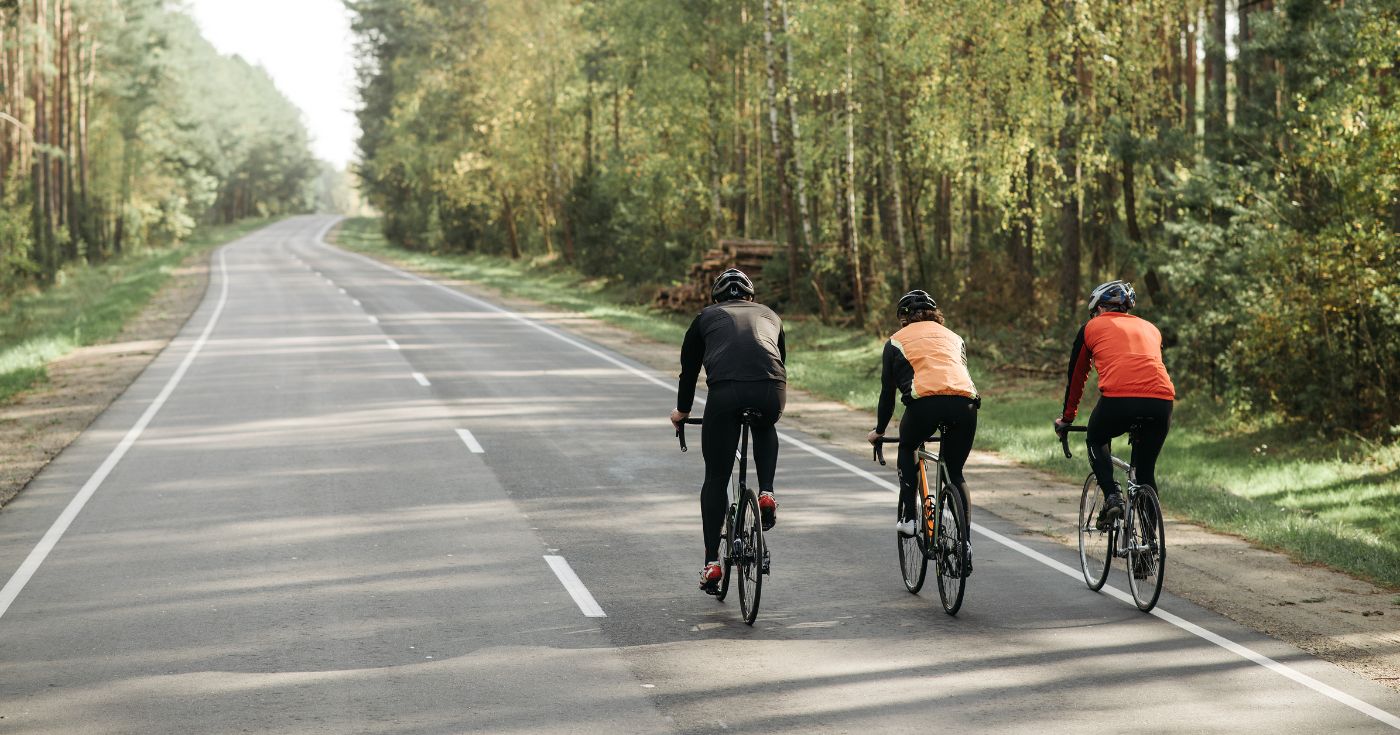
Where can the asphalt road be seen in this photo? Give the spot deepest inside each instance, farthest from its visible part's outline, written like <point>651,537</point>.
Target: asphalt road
<point>341,500</point>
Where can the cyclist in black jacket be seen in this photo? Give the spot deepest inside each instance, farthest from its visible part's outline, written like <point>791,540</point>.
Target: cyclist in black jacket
<point>740,344</point>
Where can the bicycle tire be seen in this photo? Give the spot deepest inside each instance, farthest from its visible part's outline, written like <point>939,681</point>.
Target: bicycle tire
<point>726,553</point>
<point>913,562</point>
<point>951,545</point>
<point>1092,541</point>
<point>1147,554</point>
<point>748,560</point>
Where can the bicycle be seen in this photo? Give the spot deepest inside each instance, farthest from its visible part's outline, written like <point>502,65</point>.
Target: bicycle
<point>940,535</point>
<point>745,550</point>
<point>1138,535</point>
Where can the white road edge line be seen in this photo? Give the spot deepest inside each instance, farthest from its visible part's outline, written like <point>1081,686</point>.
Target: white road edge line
<point>470,441</point>
<point>50,539</point>
<point>422,379</point>
<point>1229,645</point>
<point>582,597</point>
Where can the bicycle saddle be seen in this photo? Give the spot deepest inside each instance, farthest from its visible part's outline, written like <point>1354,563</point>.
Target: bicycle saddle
<point>749,415</point>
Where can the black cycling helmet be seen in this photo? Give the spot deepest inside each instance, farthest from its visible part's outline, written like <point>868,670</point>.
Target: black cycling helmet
<point>915,301</point>
<point>1113,296</point>
<point>731,284</point>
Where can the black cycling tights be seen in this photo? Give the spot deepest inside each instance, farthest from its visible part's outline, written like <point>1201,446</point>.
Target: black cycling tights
<point>958,416</point>
<point>719,440</point>
<point>1113,417</point>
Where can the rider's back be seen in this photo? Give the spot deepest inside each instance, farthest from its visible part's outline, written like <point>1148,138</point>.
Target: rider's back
<point>742,342</point>
<point>1127,352</point>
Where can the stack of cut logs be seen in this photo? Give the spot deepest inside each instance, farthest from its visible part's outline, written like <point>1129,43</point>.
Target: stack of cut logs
<point>749,256</point>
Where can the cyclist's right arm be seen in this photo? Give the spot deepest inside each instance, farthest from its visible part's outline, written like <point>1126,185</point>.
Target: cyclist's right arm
<point>885,410</point>
<point>692,359</point>
<point>1078,376</point>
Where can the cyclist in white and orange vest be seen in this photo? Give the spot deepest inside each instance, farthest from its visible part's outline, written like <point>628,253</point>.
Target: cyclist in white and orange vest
<point>927,362</point>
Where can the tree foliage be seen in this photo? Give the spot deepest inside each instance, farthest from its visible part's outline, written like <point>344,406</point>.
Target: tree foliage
<point>123,127</point>
<point>1005,155</point>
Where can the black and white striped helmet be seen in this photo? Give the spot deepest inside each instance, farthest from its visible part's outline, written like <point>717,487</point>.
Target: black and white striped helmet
<point>731,284</point>
<point>1113,296</point>
<point>915,301</point>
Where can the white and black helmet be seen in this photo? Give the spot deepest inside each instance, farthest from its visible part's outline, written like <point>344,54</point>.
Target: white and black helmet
<point>731,284</point>
<point>1113,296</point>
<point>915,301</point>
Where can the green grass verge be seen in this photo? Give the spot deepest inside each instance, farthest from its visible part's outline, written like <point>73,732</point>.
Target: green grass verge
<point>90,304</point>
<point>1326,501</point>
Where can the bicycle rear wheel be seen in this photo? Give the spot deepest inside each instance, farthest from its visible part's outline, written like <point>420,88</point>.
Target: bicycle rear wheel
<point>1147,551</point>
<point>726,553</point>
<point>1095,546</point>
<point>749,555</point>
<point>913,564</point>
<point>950,542</point>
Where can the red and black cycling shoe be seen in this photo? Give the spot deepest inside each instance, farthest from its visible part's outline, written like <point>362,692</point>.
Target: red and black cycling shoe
<point>768,510</point>
<point>710,578</point>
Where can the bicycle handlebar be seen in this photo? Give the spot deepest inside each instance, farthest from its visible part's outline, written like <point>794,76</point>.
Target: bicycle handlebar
<point>880,452</point>
<point>680,432</point>
<point>1064,438</point>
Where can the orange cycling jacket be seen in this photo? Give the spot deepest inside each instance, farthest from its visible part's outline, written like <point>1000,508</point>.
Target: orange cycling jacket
<point>920,360</point>
<point>1126,351</point>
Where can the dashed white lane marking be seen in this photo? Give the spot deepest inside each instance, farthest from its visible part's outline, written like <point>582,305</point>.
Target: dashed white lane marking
<point>342,290</point>
<point>422,379</point>
<point>470,441</point>
<point>46,544</point>
<point>373,319</point>
<point>1196,630</point>
<point>393,345</point>
<point>582,597</point>
<point>356,302</point>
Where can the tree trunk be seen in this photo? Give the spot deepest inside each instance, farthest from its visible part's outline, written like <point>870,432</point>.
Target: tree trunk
<point>892,174</point>
<point>1025,257</point>
<point>1217,99</point>
<point>799,170</point>
<point>1069,222</point>
<point>853,237</point>
<point>1189,71</point>
<point>1130,200</point>
<point>508,212</point>
<point>779,154</point>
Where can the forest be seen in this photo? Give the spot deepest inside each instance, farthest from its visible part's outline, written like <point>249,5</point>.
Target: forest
<point>122,128</point>
<point>1238,160</point>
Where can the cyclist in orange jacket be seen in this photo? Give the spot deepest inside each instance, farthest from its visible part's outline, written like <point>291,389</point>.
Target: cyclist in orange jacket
<point>1134,388</point>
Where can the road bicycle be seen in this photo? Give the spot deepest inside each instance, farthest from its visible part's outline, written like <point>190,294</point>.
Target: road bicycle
<point>742,548</point>
<point>1137,536</point>
<point>940,531</point>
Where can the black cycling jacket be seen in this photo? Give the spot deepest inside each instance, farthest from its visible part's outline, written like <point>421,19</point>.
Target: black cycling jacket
<point>733,340</point>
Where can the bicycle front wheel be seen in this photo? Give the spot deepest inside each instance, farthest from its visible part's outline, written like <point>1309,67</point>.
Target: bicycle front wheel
<point>750,555</point>
<point>913,564</point>
<point>1095,546</point>
<point>950,541</point>
<point>1147,551</point>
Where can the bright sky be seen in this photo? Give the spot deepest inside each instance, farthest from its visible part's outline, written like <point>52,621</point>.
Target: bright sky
<point>306,46</point>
